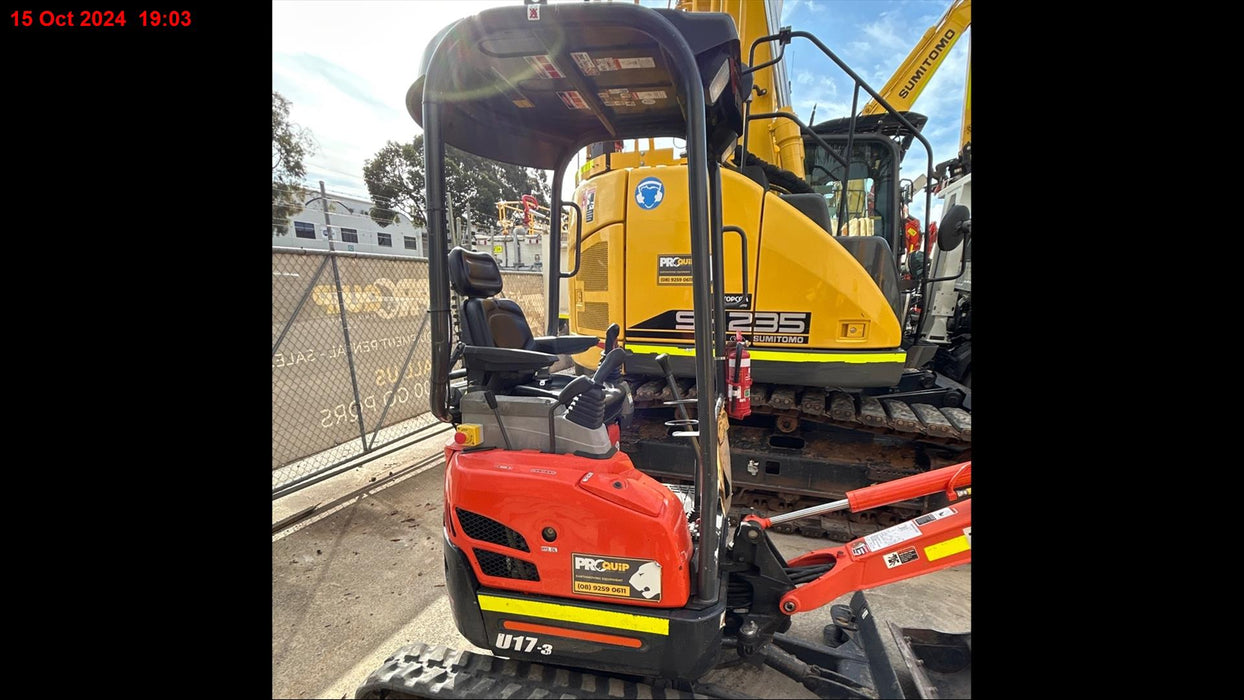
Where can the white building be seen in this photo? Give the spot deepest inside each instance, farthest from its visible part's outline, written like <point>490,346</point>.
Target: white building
<point>353,229</point>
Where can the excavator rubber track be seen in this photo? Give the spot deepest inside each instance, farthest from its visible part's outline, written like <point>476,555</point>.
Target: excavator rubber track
<point>788,405</point>
<point>804,446</point>
<point>425,671</point>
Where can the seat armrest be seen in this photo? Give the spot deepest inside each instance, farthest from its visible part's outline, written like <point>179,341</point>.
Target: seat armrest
<point>565,344</point>
<point>487,359</point>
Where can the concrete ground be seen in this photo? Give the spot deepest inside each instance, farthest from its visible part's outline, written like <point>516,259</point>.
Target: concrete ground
<point>362,577</point>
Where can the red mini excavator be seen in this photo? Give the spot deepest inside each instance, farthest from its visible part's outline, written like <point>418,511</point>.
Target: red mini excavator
<point>557,550</point>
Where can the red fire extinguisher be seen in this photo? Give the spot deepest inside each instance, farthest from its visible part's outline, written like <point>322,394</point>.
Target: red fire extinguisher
<point>739,378</point>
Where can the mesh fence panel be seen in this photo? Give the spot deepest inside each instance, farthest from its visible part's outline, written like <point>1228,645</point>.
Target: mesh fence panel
<point>319,420</point>
<point>527,290</point>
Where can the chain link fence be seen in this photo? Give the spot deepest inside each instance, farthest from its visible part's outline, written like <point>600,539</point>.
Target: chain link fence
<point>351,356</point>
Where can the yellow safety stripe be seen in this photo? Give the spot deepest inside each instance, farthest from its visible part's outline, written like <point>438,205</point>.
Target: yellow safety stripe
<point>571,613</point>
<point>947,548</point>
<point>782,355</point>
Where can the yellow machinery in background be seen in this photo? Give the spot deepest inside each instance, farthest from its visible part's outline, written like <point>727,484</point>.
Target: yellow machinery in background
<point>813,280</point>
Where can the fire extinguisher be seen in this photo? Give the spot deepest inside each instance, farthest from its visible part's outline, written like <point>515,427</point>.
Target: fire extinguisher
<point>739,378</point>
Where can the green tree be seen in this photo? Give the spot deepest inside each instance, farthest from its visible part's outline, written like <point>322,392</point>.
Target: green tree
<point>395,179</point>
<point>290,145</point>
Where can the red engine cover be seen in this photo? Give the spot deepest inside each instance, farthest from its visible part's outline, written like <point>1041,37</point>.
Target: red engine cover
<point>561,525</point>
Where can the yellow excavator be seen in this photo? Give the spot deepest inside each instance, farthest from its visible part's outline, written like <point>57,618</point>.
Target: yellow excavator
<point>822,291</point>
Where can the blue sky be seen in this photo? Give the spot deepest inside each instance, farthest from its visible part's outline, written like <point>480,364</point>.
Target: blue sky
<point>346,66</point>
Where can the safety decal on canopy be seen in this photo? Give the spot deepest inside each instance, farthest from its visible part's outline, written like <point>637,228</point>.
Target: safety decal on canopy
<point>618,577</point>
<point>617,97</point>
<point>544,66</point>
<point>610,64</point>
<point>649,97</point>
<point>572,99</point>
<point>585,62</point>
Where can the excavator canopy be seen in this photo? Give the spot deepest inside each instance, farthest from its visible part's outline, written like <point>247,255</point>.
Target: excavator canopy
<point>534,91</point>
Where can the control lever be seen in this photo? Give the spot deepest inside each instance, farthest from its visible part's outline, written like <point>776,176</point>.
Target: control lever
<point>492,403</point>
<point>565,397</point>
<point>609,365</point>
<point>611,344</point>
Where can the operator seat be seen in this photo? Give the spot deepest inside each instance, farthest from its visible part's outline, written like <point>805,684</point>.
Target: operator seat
<point>499,323</point>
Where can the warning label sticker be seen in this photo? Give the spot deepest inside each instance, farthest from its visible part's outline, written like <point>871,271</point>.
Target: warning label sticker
<point>544,67</point>
<point>617,97</point>
<point>859,549</point>
<point>609,64</point>
<point>572,99</point>
<point>903,556</point>
<point>618,577</point>
<point>937,515</point>
<point>585,63</point>
<point>589,204</point>
<point>892,536</point>
<point>650,95</point>
<point>640,62</point>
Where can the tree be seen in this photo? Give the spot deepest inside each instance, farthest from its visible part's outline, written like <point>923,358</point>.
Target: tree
<point>290,144</point>
<point>395,179</point>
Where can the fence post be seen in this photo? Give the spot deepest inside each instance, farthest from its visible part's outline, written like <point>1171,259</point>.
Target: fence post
<point>345,327</point>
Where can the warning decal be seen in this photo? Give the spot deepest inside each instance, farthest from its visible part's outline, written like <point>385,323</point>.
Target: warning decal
<point>938,515</point>
<point>585,63</point>
<point>903,556</point>
<point>859,549</point>
<point>573,100</point>
<point>617,577</point>
<point>892,536</point>
<point>608,64</point>
<point>589,204</point>
<point>617,97</point>
<point>641,62</point>
<point>544,67</point>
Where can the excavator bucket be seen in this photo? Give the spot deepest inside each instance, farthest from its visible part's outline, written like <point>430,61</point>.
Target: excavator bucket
<point>940,664</point>
<point>854,661</point>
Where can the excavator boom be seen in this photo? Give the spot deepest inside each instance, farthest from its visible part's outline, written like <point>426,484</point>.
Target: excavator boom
<point>928,55</point>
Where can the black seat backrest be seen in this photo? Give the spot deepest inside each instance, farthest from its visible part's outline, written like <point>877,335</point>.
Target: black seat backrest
<point>812,206</point>
<point>874,253</point>
<point>486,321</point>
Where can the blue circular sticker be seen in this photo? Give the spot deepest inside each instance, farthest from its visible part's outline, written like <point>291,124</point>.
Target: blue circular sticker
<point>649,193</point>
